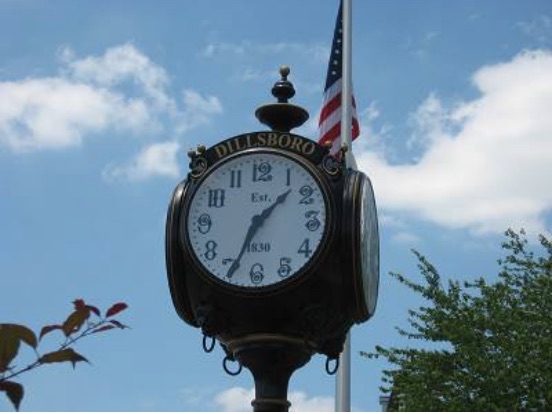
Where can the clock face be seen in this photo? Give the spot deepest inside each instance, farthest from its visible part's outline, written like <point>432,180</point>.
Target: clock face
<point>257,219</point>
<point>369,246</point>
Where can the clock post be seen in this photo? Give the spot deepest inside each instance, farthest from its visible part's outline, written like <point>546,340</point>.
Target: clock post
<point>272,249</point>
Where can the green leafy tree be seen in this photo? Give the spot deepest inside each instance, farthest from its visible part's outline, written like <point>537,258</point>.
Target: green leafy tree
<point>85,320</point>
<point>486,346</point>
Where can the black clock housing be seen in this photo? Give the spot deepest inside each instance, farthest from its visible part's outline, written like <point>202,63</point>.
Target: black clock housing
<point>317,307</point>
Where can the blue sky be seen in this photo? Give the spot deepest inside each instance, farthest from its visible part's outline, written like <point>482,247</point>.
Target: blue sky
<point>100,102</point>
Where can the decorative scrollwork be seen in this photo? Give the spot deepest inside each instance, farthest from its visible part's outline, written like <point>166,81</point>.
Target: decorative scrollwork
<point>198,165</point>
<point>331,165</point>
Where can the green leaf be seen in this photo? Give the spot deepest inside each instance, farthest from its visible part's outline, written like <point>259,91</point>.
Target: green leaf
<point>9,346</point>
<point>63,355</point>
<point>14,391</point>
<point>23,333</point>
<point>49,328</point>
<point>75,321</point>
<point>11,336</point>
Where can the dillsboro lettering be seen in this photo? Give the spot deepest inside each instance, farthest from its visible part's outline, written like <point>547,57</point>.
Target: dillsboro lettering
<point>265,139</point>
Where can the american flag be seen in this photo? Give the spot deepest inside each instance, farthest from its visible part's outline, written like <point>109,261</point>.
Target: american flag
<point>329,124</point>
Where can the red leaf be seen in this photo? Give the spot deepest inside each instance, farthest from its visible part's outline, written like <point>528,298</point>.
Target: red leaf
<point>49,328</point>
<point>115,309</point>
<point>117,324</point>
<point>103,328</point>
<point>93,309</point>
<point>80,304</point>
<point>63,355</point>
<point>14,391</point>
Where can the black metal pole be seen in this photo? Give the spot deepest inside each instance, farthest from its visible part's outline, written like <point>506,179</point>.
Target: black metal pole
<point>271,359</point>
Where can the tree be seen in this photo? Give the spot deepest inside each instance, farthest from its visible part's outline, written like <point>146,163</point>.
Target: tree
<point>487,346</point>
<point>83,321</point>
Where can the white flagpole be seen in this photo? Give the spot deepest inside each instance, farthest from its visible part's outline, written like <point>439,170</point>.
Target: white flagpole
<point>343,379</point>
<point>347,85</point>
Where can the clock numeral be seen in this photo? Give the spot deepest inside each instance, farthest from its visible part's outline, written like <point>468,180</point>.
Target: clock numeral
<point>305,248</point>
<point>313,223</point>
<point>261,172</point>
<point>306,191</point>
<point>210,253</point>
<point>256,273</point>
<point>288,177</point>
<point>216,198</point>
<point>204,223</point>
<point>235,178</point>
<point>285,269</point>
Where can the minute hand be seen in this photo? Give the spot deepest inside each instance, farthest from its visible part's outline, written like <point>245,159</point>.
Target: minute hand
<point>256,222</point>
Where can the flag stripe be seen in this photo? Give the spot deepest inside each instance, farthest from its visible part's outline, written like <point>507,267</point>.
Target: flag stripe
<point>330,108</point>
<point>329,123</point>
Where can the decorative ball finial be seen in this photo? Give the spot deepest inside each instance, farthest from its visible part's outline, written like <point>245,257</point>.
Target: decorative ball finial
<point>284,71</point>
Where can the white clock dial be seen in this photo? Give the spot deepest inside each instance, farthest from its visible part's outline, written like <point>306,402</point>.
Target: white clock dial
<point>257,219</point>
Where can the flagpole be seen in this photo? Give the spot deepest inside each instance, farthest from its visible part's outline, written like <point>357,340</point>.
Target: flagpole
<point>343,379</point>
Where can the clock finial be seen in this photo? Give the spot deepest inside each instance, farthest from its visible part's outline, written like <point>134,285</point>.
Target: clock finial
<point>283,90</point>
<point>282,116</point>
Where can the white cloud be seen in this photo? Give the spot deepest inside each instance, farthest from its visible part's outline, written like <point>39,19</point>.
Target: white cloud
<point>89,95</point>
<point>540,29</point>
<point>486,163</point>
<point>56,113</point>
<point>118,65</point>
<point>198,110</point>
<point>121,90</point>
<point>239,399</point>
<point>315,52</point>
<point>158,159</point>
<point>235,399</point>
<point>300,402</point>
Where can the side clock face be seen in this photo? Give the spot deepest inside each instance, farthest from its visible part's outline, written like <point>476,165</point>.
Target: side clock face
<point>369,246</point>
<point>257,219</point>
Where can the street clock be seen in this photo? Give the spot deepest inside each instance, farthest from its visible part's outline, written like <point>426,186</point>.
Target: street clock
<point>272,247</point>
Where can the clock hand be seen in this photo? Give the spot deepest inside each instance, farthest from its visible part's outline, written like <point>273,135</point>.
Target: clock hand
<point>250,233</point>
<point>256,222</point>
